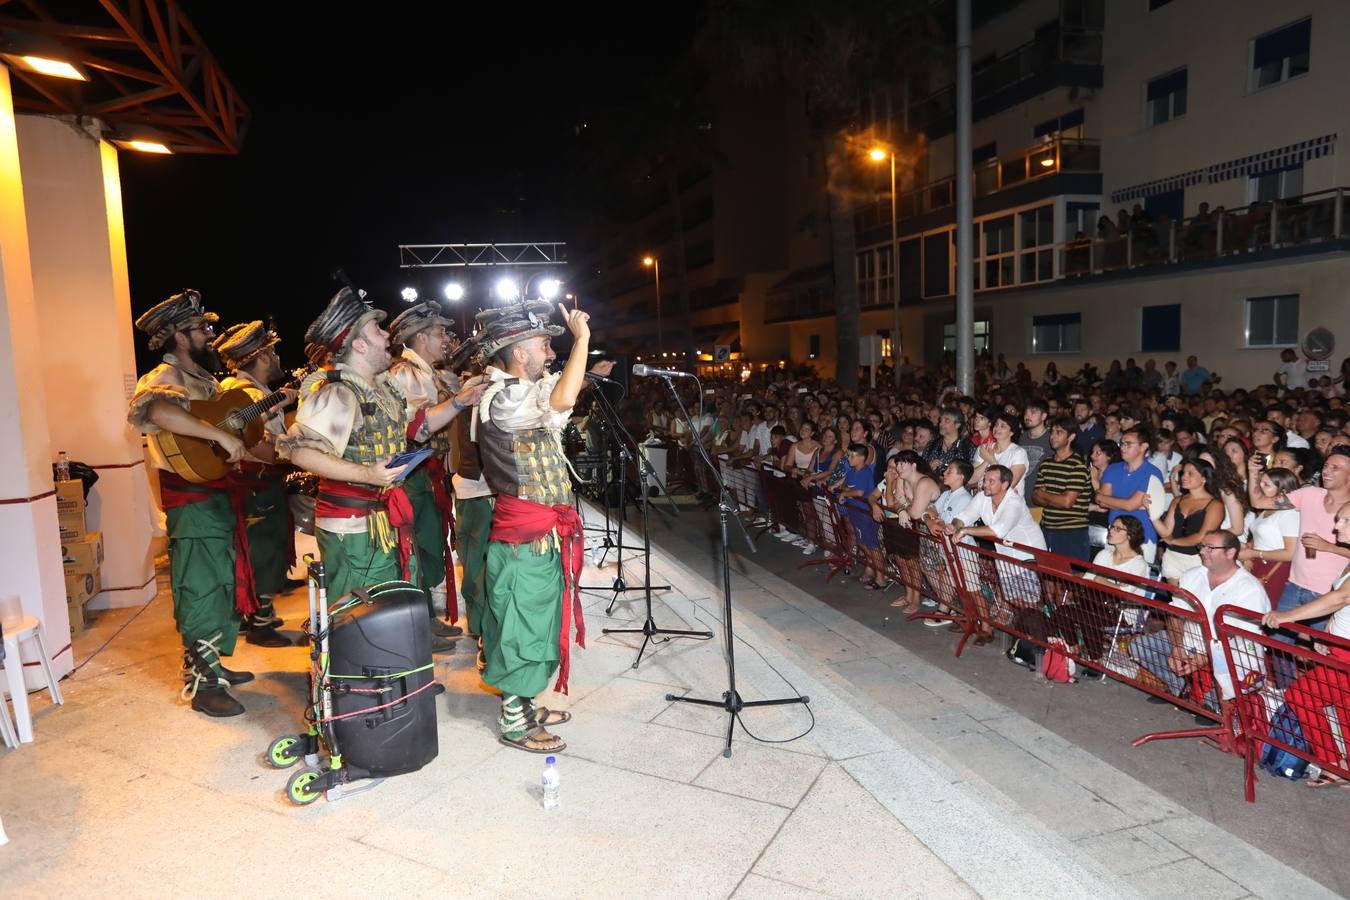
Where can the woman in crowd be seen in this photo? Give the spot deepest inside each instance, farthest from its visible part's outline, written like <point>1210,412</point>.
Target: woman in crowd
<point>1051,375</point>
<point>1003,450</point>
<point>831,461</point>
<point>854,492</point>
<point>1194,513</point>
<point>1293,460</point>
<point>800,460</point>
<point>911,491</point>
<point>1103,454</point>
<point>1274,535</point>
<point>981,431</point>
<point>1232,492</point>
<point>947,508</point>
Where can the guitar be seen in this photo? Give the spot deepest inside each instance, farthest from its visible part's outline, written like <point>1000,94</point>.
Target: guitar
<point>235,411</point>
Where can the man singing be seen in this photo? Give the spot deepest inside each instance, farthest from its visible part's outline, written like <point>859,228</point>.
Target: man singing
<point>536,548</point>
<point>204,540</point>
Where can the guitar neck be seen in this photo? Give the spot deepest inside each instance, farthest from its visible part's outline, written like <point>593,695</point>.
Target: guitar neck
<point>248,413</point>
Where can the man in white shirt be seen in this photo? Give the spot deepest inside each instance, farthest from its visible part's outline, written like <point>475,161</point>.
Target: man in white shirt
<point>1172,655</point>
<point>1003,512</point>
<point>1292,375</point>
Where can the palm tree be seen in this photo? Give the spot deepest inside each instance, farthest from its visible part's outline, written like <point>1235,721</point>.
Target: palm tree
<point>835,54</point>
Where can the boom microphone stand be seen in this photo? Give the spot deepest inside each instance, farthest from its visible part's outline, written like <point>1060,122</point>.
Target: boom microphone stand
<point>649,627</point>
<point>731,700</point>
<point>609,419</point>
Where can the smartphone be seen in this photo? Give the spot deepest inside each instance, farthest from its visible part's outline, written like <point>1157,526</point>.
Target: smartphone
<point>708,392</point>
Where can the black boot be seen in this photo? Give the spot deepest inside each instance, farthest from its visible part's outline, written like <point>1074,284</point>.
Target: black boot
<point>205,687</point>
<point>440,628</point>
<point>261,634</point>
<point>441,644</point>
<point>267,614</point>
<point>234,677</point>
<point>216,702</point>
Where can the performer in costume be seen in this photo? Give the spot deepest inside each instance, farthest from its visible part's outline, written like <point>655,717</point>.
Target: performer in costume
<point>350,422</point>
<point>537,545</point>
<point>207,543</point>
<point>249,352</point>
<point>431,406</point>
<point>473,498</point>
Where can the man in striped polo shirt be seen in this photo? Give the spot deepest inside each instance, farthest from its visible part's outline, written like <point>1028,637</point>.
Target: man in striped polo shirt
<point>1063,490</point>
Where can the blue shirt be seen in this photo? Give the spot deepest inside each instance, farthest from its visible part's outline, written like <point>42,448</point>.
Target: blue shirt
<point>1192,379</point>
<point>1124,484</point>
<point>1086,437</point>
<point>859,480</point>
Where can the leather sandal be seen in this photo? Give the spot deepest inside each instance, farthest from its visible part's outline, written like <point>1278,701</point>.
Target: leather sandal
<point>532,741</point>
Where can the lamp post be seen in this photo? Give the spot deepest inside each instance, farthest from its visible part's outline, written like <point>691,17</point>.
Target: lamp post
<point>877,154</point>
<point>655,265</point>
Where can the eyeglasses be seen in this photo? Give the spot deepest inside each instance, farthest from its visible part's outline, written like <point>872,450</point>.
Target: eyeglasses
<point>1131,443</point>
<point>1116,528</point>
<point>1214,548</point>
<point>1271,430</point>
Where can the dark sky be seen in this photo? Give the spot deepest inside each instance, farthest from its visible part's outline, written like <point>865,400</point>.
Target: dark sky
<point>375,125</point>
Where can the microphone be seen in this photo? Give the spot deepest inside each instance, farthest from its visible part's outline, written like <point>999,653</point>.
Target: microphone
<point>642,371</point>
<point>591,376</point>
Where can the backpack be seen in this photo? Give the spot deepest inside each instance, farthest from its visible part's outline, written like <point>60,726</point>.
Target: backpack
<point>1055,665</point>
<point>1276,760</point>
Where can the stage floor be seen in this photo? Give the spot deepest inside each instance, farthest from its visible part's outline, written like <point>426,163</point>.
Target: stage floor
<point>127,793</point>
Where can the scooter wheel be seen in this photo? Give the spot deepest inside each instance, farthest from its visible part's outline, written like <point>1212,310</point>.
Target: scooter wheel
<point>299,790</point>
<point>283,752</point>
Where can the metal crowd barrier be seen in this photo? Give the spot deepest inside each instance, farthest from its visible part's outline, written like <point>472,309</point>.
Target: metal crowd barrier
<point>921,560</point>
<point>823,526</point>
<point>1290,696</point>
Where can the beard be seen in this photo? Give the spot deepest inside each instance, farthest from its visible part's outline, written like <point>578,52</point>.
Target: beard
<point>206,357</point>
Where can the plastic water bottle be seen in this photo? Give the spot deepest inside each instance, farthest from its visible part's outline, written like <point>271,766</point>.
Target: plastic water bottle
<point>62,466</point>
<point>552,782</point>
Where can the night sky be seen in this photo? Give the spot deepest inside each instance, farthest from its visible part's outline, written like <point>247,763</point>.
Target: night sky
<point>375,126</point>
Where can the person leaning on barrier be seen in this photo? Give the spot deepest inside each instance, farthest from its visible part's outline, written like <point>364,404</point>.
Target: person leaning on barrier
<point>1173,654</point>
<point>1322,686</point>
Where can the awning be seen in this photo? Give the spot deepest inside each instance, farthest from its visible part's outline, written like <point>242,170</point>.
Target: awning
<point>1158,186</point>
<point>802,277</point>
<point>1272,160</point>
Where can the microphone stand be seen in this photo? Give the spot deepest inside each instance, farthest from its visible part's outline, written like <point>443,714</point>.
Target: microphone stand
<point>649,629</point>
<point>731,700</point>
<point>607,425</point>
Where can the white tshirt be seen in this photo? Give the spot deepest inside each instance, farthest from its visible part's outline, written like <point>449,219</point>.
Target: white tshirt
<point>1295,440</point>
<point>950,504</point>
<point>1135,566</point>
<point>1012,455</point>
<point>1340,619</point>
<point>1269,532</point>
<point>1295,374</point>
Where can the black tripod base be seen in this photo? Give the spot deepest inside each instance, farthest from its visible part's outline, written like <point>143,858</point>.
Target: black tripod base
<point>733,704</point>
<point>649,631</point>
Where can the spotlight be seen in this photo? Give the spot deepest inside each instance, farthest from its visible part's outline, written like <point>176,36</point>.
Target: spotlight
<point>548,288</point>
<point>507,289</point>
<point>454,292</point>
<point>409,294</point>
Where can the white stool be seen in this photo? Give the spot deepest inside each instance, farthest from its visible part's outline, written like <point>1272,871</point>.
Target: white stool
<point>15,631</point>
<point>7,728</point>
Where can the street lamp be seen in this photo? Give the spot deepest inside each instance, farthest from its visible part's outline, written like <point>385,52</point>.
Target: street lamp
<point>880,154</point>
<point>655,265</point>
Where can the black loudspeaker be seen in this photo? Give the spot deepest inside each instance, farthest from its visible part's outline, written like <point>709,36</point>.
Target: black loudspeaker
<point>379,653</point>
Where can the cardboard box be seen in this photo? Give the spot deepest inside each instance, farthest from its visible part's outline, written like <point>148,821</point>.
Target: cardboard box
<point>70,509</point>
<point>83,556</point>
<point>77,613</point>
<point>81,588</point>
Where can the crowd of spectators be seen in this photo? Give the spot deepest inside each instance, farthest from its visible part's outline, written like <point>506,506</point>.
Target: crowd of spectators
<point>1143,469</point>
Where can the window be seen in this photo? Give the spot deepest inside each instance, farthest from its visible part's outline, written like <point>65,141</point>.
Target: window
<point>1081,218</point>
<point>1057,334</point>
<point>813,343</point>
<point>937,265</point>
<point>867,277</point>
<point>1037,237</point>
<point>1160,329</point>
<point>1069,125</point>
<point>980,329</point>
<point>911,269</point>
<point>1281,54</point>
<point>1165,98</point>
<point>1272,321</point>
<point>984,152</point>
<point>1278,185</point>
<point>885,276</point>
<point>996,247</point>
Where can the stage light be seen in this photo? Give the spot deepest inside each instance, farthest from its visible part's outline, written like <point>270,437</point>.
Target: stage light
<point>548,288</point>
<point>145,146</point>
<point>454,292</point>
<point>39,54</point>
<point>409,294</point>
<point>507,289</point>
<point>56,68</point>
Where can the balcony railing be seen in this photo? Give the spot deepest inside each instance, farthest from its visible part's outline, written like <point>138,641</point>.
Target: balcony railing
<point>1039,161</point>
<point>1077,42</point>
<point>1219,234</point>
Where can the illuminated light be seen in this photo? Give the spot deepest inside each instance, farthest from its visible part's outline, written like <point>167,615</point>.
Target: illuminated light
<point>507,289</point>
<point>877,154</point>
<point>143,146</point>
<point>648,261</point>
<point>56,68</point>
<point>1048,161</point>
<point>409,294</point>
<point>454,292</point>
<point>569,296</point>
<point>548,288</point>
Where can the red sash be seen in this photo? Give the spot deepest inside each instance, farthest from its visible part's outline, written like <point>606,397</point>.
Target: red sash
<point>176,492</point>
<point>518,521</point>
<point>366,499</point>
<point>439,479</point>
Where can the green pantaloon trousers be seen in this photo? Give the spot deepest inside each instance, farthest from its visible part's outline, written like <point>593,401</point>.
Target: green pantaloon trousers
<point>356,561</point>
<point>201,572</point>
<point>523,617</point>
<point>473,524</point>
<point>428,533</point>
<point>269,538</point>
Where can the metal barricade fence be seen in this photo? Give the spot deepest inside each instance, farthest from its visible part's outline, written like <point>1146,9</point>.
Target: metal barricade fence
<point>921,560</point>
<point>781,493</point>
<point>826,528</point>
<point>1107,622</point>
<point>743,484</point>
<point>1291,697</point>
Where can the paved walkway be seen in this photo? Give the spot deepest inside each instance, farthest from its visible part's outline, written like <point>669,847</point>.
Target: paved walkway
<point>127,794</point>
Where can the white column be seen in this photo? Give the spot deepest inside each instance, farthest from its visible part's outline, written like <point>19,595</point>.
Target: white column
<point>30,552</point>
<point>78,247</point>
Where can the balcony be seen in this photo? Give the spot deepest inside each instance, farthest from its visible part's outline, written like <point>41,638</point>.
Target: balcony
<point>1034,164</point>
<point>1298,224</point>
<point>1069,55</point>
